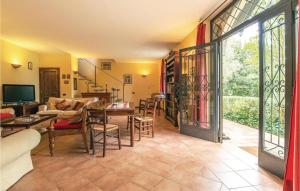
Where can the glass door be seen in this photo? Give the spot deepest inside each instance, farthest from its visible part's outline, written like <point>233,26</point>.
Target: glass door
<point>275,91</point>
<point>197,92</point>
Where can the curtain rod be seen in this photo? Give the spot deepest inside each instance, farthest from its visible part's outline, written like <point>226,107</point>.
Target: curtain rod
<point>214,11</point>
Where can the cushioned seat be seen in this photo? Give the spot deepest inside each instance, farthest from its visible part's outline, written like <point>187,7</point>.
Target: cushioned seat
<point>6,116</point>
<point>109,127</point>
<point>65,124</point>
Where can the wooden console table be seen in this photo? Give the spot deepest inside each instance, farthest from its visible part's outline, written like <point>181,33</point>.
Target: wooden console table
<point>100,95</point>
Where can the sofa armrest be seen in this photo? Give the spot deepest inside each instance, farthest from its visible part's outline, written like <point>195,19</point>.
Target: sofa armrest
<point>17,144</point>
<point>43,107</point>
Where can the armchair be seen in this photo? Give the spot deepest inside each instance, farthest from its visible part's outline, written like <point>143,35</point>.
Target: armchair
<point>63,125</point>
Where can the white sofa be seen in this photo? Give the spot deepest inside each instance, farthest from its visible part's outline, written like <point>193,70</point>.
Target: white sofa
<point>49,108</point>
<point>15,154</point>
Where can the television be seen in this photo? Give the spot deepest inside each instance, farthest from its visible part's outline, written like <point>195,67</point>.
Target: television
<point>15,93</point>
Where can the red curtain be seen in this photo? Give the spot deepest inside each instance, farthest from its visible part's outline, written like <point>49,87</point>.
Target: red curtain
<point>162,77</point>
<point>201,102</point>
<point>292,173</point>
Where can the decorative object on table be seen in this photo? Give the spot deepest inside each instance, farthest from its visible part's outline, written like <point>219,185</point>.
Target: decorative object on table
<point>127,79</point>
<point>64,76</point>
<point>75,83</point>
<point>68,76</point>
<point>30,66</point>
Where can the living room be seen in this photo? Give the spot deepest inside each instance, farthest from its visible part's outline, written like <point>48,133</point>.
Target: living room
<point>125,95</point>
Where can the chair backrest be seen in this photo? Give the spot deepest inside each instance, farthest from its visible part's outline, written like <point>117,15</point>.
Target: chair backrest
<point>96,117</point>
<point>142,106</point>
<point>96,113</point>
<point>151,109</point>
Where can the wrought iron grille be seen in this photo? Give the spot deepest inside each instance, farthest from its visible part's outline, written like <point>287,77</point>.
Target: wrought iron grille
<point>239,12</point>
<point>274,85</point>
<point>195,87</point>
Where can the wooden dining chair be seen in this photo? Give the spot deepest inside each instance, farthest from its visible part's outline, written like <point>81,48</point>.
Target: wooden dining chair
<point>141,111</point>
<point>97,123</point>
<point>146,123</point>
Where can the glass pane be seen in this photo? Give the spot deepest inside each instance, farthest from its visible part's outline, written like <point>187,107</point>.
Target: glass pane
<point>195,91</point>
<point>274,85</point>
<point>237,13</point>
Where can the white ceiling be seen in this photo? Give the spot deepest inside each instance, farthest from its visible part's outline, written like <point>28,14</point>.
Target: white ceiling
<point>125,30</point>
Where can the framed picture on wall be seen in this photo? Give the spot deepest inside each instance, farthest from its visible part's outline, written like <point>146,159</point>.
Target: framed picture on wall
<point>127,79</point>
<point>75,83</point>
<point>30,66</point>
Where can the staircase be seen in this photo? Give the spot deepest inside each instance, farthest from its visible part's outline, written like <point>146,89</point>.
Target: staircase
<point>89,71</point>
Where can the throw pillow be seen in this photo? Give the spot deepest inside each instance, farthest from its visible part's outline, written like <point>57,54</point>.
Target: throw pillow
<point>63,105</point>
<point>78,105</point>
<point>51,106</point>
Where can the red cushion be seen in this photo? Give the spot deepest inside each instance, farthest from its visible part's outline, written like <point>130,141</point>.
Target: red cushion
<point>64,124</point>
<point>6,115</point>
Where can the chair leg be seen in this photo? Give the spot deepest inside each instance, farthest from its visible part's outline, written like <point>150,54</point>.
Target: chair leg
<point>119,138</point>
<point>152,129</point>
<point>84,137</point>
<point>93,140</point>
<point>128,122</point>
<point>51,140</point>
<point>104,143</point>
<point>140,129</point>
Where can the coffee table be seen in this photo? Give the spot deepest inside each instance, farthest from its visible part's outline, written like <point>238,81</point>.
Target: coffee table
<point>26,121</point>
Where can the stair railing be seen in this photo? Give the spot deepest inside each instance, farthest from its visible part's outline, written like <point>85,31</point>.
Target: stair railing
<point>104,72</point>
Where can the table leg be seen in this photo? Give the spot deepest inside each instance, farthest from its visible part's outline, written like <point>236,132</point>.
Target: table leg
<point>131,131</point>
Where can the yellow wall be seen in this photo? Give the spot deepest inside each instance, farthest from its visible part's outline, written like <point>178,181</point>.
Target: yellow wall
<point>12,54</point>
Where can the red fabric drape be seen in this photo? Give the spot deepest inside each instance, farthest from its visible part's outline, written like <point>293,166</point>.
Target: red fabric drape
<point>162,77</point>
<point>292,173</point>
<point>200,110</point>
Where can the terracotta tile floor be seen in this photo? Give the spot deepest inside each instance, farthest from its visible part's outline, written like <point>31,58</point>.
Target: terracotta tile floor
<point>168,162</point>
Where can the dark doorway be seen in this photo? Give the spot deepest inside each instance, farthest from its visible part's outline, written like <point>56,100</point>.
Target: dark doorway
<point>49,83</point>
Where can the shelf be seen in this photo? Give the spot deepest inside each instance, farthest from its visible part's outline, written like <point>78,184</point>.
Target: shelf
<point>171,77</point>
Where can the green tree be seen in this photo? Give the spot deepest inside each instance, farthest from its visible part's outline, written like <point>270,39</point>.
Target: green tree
<point>245,80</point>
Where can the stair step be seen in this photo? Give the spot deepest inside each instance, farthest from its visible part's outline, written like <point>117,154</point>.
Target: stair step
<point>96,86</point>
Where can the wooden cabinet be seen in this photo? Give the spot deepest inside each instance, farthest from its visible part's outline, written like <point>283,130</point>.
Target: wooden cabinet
<point>171,78</point>
<point>24,109</point>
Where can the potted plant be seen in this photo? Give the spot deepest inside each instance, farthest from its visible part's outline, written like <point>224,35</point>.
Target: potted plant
<point>182,89</point>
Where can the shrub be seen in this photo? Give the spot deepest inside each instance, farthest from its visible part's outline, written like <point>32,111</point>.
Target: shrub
<point>243,110</point>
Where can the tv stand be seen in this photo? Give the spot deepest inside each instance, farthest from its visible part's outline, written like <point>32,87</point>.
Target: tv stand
<point>22,109</point>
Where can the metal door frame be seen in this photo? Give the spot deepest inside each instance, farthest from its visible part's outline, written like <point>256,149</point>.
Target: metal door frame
<point>210,134</point>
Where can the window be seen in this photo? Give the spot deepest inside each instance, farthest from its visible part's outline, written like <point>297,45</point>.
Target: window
<point>106,65</point>
<point>236,14</point>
